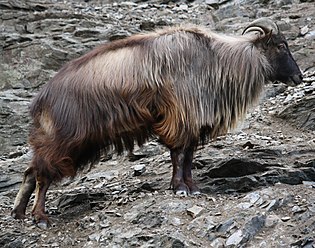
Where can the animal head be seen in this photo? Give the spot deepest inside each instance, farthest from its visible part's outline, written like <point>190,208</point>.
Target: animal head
<point>274,46</point>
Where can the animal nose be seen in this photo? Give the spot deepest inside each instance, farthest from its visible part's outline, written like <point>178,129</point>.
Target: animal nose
<point>297,79</point>
<point>301,77</point>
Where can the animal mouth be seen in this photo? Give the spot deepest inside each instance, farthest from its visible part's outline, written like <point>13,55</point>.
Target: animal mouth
<point>296,79</point>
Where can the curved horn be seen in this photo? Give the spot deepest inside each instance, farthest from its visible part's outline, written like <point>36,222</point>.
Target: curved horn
<point>263,26</point>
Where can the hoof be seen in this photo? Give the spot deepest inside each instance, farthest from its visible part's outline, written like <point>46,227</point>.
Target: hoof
<point>194,190</point>
<point>17,215</point>
<point>181,193</point>
<point>185,190</point>
<point>195,193</point>
<point>41,220</point>
<point>181,189</point>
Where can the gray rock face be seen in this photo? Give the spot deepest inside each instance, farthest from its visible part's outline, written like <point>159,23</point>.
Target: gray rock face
<point>302,113</point>
<point>257,181</point>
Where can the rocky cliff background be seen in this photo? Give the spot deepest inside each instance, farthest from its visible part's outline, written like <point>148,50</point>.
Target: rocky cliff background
<point>258,181</point>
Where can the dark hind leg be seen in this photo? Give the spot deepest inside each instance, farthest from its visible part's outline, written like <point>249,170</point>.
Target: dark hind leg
<point>38,212</point>
<point>177,183</point>
<point>182,182</point>
<point>32,180</point>
<point>189,153</point>
<point>24,194</point>
<point>43,178</point>
<point>46,174</point>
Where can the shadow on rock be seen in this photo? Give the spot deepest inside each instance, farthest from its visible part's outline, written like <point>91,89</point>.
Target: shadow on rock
<point>241,175</point>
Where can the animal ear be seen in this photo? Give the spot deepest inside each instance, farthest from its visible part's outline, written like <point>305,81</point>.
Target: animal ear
<point>267,38</point>
<point>264,40</point>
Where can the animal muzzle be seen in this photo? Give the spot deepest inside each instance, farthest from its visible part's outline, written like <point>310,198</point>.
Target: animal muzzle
<point>296,79</point>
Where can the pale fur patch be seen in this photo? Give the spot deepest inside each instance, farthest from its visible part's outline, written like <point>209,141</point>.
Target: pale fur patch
<point>46,123</point>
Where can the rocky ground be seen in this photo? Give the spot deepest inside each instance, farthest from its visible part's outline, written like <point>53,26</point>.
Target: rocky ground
<point>257,182</point>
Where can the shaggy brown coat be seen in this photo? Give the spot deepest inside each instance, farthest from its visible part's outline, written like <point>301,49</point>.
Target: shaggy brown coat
<point>181,84</point>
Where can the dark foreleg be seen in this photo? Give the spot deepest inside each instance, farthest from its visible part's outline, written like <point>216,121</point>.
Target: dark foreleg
<point>189,153</point>
<point>177,183</point>
<point>24,194</point>
<point>182,182</point>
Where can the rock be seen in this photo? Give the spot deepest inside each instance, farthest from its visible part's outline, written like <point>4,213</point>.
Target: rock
<point>252,227</point>
<point>182,7</point>
<point>310,35</point>
<point>107,175</point>
<point>218,243</point>
<point>176,221</point>
<point>253,197</point>
<point>149,219</point>
<point>235,239</point>
<point>271,221</point>
<point>69,200</point>
<point>130,233</point>
<point>9,182</point>
<point>147,25</point>
<point>273,90</point>
<point>301,114</point>
<point>273,205</point>
<point>139,169</point>
<point>304,30</point>
<point>245,205</point>
<point>286,218</point>
<point>235,168</point>
<point>10,240</point>
<point>194,211</point>
<point>288,99</point>
<point>311,184</point>
<point>297,209</point>
<point>226,226</point>
<point>178,244</point>
<point>212,2</point>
